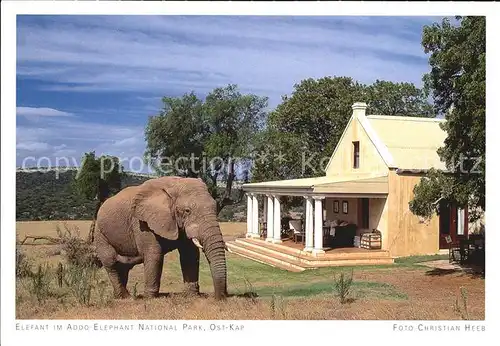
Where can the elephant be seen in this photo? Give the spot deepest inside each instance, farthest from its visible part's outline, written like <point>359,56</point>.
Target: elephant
<point>140,224</point>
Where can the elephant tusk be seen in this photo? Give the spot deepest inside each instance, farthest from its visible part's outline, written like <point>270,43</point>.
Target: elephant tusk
<point>197,243</point>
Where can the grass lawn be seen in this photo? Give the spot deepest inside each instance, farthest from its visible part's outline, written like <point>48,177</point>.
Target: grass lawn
<point>404,290</point>
<point>419,259</point>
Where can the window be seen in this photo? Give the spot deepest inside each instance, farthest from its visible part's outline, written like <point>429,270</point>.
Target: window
<point>460,221</point>
<point>356,154</point>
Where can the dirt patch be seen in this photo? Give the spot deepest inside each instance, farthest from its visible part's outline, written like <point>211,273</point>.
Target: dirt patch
<point>442,264</point>
<point>434,294</point>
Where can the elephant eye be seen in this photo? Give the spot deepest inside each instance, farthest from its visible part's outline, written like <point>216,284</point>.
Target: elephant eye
<point>187,211</point>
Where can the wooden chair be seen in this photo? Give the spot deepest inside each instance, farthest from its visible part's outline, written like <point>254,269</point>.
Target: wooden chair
<point>298,231</point>
<point>299,235</point>
<point>465,250</point>
<point>263,229</point>
<point>454,252</point>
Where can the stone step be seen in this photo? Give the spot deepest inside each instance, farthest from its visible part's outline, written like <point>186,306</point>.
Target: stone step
<point>269,249</point>
<point>274,254</point>
<point>308,258</point>
<point>264,253</point>
<point>263,258</point>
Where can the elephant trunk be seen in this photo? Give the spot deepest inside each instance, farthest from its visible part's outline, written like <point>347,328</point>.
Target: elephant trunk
<point>214,248</point>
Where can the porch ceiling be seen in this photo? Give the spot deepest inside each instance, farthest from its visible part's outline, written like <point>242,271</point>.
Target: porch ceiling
<point>344,185</point>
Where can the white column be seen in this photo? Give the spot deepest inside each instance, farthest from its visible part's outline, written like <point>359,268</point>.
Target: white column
<point>249,215</point>
<point>270,218</point>
<point>255,216</point>
<point>309,226</point>
<point>265,209</point>
<point>318,225</point>
<point>277,220</point>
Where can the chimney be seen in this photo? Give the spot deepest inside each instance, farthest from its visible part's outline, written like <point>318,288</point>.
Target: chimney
<point>359,109</point>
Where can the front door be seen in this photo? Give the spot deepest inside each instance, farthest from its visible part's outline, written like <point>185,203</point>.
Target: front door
<point>453,223</point>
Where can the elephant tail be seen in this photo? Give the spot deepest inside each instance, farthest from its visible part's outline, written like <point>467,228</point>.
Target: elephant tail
<point>93,258</point>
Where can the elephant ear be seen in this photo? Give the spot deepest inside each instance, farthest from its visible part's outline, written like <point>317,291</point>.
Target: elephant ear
<point>156,208</point>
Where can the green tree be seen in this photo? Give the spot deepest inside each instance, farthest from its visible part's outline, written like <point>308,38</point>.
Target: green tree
<point>176,133</point>
<point>400,99</point>
<point>303,131</point>
<point>97,179</point>
<point>211,139</point>
<point>457,81</point>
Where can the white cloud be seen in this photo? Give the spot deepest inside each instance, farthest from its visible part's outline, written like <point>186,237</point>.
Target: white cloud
<point>171,55</point>
<point>67,139</point>
<point>41,112</point>
<point>33,146</point>
<point>65,153</point>
<point>266,55</point>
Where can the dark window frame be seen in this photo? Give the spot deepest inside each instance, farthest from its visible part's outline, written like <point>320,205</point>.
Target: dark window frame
<point>355,149</point>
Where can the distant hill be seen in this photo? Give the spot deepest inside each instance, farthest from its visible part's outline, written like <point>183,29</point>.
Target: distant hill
<point>47,195</point>
<point>42,196</point>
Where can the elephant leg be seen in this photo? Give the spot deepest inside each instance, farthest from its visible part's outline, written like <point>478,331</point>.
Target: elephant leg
<point>153,267</point>
<point>117,272</point>
<point>190,265</point>
<point>118,275</point>
<point>123,271</point>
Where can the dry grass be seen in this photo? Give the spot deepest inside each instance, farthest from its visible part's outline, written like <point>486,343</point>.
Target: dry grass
<point>400,292</point>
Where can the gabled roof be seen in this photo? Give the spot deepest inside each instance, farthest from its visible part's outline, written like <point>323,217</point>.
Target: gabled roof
<point>406,143</point>
<point>411,142</point>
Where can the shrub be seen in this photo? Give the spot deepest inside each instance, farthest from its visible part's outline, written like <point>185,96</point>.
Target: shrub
<point>342,286</point>
<point>40,283</point>
<point>103,298</point>
<point>60,274</point>
<point>75,250</point>
<point>81,280</point>
<point>23,264</point>
<point>461,307</point>
<point>278,307</point>
<point>250,290</point>
<point>226,214</point>
<point>135,295</point>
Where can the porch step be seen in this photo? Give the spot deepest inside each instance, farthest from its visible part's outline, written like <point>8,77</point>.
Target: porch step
<point>269,249</point>
<point>308,258</point>
<point>260,257</point>
<point>296,260</point>
<point>275,255</point>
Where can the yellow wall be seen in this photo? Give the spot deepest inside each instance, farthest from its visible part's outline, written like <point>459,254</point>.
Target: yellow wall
<point>370,160</point>
<point>379,211</point>
<point>352,208</point>
<point>403,233</point>
<point>378,208</point>
<point>407,235</point>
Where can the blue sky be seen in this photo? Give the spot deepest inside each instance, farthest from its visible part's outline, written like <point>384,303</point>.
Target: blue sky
<point>90,82</point>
